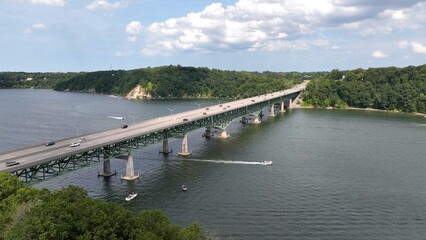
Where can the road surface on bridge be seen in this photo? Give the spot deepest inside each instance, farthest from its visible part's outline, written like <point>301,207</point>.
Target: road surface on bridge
<point>38,154</point>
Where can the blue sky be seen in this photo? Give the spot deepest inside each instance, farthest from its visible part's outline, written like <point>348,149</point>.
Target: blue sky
<point>252,35</point>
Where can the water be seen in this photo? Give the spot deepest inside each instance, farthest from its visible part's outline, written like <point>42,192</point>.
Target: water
<point>335,174</point>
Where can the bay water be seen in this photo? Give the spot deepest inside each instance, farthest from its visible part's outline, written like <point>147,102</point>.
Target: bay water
<point>336,174</point>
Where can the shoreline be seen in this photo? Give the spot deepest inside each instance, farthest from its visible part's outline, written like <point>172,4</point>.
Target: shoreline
<point>362,109</point>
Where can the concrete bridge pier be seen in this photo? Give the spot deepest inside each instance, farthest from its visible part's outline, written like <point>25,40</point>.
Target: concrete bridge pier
<point>257,120</point>
<point>287,103</point>
<point>185,152</point>
<point>107,168</point>
<point>282,109</point>
<point>166,149</point>
<point>223,134</point>
<point>272,113</point>
<point>130,170</point>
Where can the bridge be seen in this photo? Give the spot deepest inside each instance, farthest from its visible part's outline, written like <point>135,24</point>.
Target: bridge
<point>41,162</point>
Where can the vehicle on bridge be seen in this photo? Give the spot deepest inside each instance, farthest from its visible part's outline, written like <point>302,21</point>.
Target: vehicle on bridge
<point>11,163</point>
<point>50,143</point>
<point>124,126</point>
<point>75,144</point>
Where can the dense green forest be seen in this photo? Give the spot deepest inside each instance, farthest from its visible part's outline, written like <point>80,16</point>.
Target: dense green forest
<point>177,81</point>
<point>29,213</point>
<point>33,80</point>
<point>393,89</point>
<point>162,82</point>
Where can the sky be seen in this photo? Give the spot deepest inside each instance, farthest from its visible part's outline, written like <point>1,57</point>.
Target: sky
<point>249,35</point>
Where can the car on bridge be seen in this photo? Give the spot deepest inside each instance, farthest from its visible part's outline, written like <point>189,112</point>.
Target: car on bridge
<point>124,126</point>
<point>50,143</point>
<point>75,144</point>
<point>11,163</point>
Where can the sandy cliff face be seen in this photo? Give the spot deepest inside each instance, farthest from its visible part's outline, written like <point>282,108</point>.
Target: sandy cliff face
<point>138,93</point>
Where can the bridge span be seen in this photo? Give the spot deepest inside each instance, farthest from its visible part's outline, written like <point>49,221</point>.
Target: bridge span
<point>40,161</point>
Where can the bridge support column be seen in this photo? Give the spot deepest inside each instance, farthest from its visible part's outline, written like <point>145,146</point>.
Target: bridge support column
<point>185,152</point>
<point>257,120</point>
<point>287,103</point>
<point>130,170</point>
<point>272,113</point>
<point>107,168</point>
<point>223,134</point>
<point>166,150</point>
<point>282,107</point>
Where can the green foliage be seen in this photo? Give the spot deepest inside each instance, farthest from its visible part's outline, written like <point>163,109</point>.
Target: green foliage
<point>162,82</point>
<point>402,89</point>
<point>178,81</point>
<point>28,213</point>
<point>33,80</point>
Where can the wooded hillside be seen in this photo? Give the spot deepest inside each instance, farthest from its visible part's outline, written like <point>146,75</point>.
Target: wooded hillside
<point>400,89</point>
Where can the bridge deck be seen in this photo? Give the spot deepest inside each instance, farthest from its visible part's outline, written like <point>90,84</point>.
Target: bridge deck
<point>39,154</point>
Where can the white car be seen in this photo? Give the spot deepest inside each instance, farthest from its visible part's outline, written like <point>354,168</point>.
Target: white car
<point>11,163</point>
<point>75,144</point>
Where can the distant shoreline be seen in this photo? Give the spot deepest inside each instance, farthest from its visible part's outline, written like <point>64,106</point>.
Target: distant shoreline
<point>364,109</point>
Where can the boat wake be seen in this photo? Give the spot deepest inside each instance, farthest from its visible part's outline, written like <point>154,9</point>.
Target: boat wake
<point>231,162</point>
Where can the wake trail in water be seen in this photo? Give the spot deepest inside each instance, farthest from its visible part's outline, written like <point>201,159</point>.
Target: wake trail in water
<point>228,162</point>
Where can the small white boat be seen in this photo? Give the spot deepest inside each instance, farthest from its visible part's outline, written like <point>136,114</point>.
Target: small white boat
<point>118,118</point>
<point>131,196</point>
<point>184,188</point>
<point>266,162</point>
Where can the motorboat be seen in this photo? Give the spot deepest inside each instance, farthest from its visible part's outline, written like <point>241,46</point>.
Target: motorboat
<point>131,196</point>
<point>184,188</point>
<point>266,162</point>
<point>118,118</point>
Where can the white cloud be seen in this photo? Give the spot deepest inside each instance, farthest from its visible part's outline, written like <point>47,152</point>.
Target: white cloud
<point>402,44</point>
<point>37,26</point>
<point>375,30</point>
<point>134,28</point>
<point>418,47</point>
<point>275,25</point>
<point>105,5</point>
<point>59,3</point>
<point>394,14</point>
<point>123,53</point>
<point>378,54</point>
<point>415,46</point>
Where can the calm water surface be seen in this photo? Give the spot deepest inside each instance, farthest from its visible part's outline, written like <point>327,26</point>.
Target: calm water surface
<point>336,174</point>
